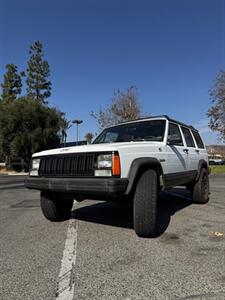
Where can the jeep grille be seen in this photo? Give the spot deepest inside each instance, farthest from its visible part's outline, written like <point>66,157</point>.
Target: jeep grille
<point>68,165</point>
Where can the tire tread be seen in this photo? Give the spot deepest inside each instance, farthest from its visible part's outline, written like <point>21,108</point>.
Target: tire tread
<point>55,209</point>
<point>145,204</point>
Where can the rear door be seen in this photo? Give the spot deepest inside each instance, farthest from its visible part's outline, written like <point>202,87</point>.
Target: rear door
<point>191,150</point>
<point>200,150</point>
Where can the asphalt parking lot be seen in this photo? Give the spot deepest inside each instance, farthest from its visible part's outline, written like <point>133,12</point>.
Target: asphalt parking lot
<point>186,261</point>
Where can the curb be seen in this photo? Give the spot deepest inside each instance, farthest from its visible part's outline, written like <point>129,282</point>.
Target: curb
<point>13,174</point>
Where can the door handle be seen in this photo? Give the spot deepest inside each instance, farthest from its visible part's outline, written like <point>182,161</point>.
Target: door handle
<point>197,151</point>
<point>185,150</point>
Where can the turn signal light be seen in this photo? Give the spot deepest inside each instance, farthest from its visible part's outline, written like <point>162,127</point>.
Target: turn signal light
<point>116,165</point>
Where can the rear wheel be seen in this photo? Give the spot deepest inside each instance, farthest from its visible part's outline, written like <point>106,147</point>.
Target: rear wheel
<point>200,189</point>
<point>145,205</point>
<point>56,208</point>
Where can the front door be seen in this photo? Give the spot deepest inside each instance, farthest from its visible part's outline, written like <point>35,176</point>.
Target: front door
<point>177,156</point>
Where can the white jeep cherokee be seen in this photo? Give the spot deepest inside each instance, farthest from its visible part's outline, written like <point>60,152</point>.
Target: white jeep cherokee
<point>133,160</point>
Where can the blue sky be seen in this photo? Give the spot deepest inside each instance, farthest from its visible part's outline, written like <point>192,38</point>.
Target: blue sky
<point>171,50</point>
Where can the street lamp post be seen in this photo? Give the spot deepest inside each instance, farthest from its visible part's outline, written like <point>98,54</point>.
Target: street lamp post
<point>78,122</point>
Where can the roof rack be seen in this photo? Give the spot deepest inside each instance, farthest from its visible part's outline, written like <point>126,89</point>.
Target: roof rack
<point>181,123</point>
<point>161,116</point>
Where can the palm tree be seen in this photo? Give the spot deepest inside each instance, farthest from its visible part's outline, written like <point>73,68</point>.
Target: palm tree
<point>88,137</point>
<point>64,126</point>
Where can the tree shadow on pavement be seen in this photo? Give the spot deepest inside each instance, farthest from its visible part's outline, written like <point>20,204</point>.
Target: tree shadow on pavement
<point>120,214</point>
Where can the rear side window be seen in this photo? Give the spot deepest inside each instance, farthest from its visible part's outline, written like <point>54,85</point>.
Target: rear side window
<point>174,135</point>
<point>188,137</point>
<point>198,139</point>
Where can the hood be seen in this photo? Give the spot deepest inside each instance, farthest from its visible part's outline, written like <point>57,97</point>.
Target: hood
<point>95,148</point>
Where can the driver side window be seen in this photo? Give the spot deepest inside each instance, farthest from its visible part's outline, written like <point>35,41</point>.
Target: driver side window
<point>174,135</point>
<point>110,137</point>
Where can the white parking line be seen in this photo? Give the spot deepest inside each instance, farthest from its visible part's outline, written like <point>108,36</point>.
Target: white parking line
<point>11,185</point>
<point>66,280</point>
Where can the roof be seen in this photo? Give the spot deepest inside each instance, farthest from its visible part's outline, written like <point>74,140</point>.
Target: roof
<point>159,117</point>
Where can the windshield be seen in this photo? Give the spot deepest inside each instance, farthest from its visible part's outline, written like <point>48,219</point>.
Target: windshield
<point>132,132</point>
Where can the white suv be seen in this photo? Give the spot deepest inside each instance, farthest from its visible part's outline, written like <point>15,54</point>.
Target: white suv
<point>134,160</point>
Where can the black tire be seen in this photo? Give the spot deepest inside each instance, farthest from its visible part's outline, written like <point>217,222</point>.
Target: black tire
<point>56,208</point>
<point>200,189</point>
<point>145,205</point>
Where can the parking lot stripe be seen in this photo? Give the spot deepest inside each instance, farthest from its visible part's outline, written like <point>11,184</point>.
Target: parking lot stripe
<point>66,279</point>
<point>11,186</point>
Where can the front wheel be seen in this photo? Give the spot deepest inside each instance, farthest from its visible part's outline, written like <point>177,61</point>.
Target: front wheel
<point>56,208</point>
<point>200,189</point>
<point>145,205</point>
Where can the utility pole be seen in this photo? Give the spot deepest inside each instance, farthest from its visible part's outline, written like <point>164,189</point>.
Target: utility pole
<point>78,122</point>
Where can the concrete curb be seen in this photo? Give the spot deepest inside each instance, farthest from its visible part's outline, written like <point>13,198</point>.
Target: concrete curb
<point>14,174</point>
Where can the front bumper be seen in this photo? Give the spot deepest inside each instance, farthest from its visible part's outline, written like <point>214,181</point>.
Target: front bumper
<point>79,186</point>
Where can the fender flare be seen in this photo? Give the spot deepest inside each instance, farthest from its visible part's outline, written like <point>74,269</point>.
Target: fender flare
<point>202,164</point>
<point>139,164</point>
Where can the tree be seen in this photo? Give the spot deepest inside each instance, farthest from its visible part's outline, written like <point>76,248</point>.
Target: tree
<point>64,127</point>
<point>12,83</point>
<point>216,113</point>
<point>38,71</point>
<point>6,129</point>
<point>124,106</point>
<point>28,126</point>
<point>89,137</point>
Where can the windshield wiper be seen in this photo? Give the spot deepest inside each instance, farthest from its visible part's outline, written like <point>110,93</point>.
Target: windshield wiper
<point>138,140</point>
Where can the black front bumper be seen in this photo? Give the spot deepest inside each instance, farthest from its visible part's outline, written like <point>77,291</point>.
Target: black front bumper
<point>79,186</point>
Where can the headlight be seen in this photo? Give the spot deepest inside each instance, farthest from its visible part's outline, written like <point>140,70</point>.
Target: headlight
<point>35,167</point>
<point>108,165</point>
<point>104,161</point>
